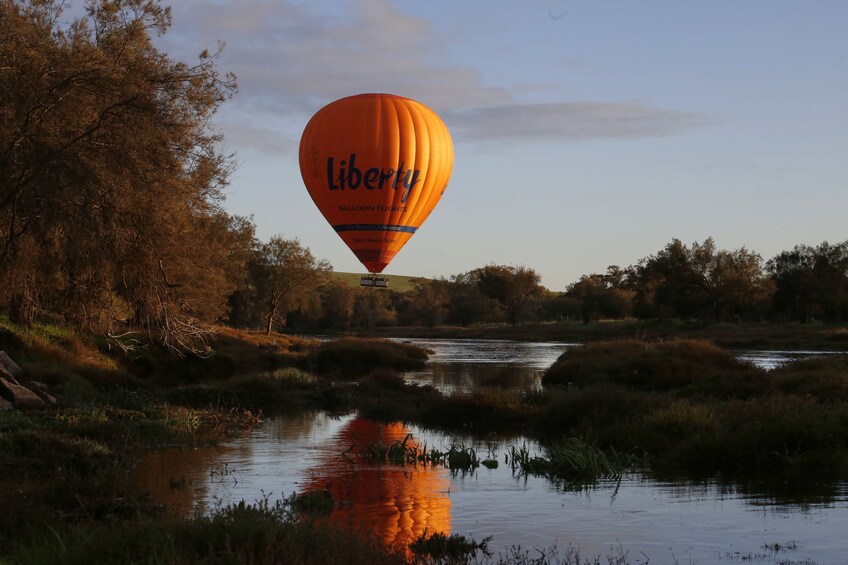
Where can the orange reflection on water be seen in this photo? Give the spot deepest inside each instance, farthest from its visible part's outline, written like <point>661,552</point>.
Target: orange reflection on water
<point>397,503</point>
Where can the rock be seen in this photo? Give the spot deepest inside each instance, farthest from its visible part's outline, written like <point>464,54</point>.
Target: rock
<point>43,392</point>
<point>11,367</point>
<point>7,375</point>
<point>19,396</point>
<point>5,405</point>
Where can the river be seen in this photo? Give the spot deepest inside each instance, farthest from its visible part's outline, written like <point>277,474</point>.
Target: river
<point>700,522</point>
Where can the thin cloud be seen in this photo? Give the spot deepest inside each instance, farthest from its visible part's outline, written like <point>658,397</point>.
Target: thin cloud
<point>291,60</point>
<point>569,121</point>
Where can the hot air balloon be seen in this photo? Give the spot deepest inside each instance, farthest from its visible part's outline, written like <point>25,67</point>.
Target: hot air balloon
<point>376,165</point>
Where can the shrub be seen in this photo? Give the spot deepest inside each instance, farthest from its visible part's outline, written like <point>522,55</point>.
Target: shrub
<point>823,378</point>
<point>356,357</point>
<point>656,366</point>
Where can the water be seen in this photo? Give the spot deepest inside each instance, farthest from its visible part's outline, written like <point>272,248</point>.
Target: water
<point>465,364</point>
<point>772,359</point>
<point>666,521</point>
<point>472,363</point>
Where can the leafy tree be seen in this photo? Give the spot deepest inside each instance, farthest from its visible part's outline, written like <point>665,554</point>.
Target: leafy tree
<point>831,271</point>
<point>337,301</point>
<point>515,288</point>
<point>110,178</point>
<point>427,303</point>
<point>811,282</point>
<point>793,273</point>
<point>558,306</point>
<point>467,305</point>
<point>373,307</point>
<point>700,281</point>
<point>286,276</point>
<point>738,285</point>
<point>602,295</point>
<point>673,282</point>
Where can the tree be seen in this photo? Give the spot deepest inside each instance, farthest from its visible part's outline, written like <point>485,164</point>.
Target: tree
<point>337,301</point>
<point>373,308</point>
<point>558,306</point>
<point>513,287</point>
<point>673,282</point>
<point>831,271</point>
<point>700,281</point>
<point>110,178</point>
<point>738,285</point>
<point>811,281</point>
<point>467,304</point>
<point>427,303</point>
<point>286,276</point>
<point>602,295</point>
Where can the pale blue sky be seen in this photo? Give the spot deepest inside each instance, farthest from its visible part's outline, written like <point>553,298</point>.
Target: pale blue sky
<point>587,133</point>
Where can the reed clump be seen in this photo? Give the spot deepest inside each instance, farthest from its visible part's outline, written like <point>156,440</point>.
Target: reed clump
<point>407,451</point>
<point>398,452</point>
<point>442,548</point>
<point>573,460</point>
<point>462,458</point>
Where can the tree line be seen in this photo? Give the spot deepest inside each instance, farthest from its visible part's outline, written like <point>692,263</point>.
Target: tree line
<point>111,214</point>
<point>702,282</point>
<point>695,282</point>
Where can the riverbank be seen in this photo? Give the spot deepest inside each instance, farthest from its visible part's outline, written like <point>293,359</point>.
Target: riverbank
<point>684,408</point>
<point>813,336</point>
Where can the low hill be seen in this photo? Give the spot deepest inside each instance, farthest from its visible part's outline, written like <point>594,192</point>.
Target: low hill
<point>400,283</point>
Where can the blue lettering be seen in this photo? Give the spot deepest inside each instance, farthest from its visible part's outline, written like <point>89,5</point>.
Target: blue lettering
<point>350,176</point>
<point>354,175</point>
<point>330,174</point>
<point>371,175</point>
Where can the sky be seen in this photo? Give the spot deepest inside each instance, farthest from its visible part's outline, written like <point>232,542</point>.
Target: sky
<point>587,133</point>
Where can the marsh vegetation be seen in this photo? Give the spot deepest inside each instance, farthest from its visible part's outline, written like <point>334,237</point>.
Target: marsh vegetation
<point>680,408</point>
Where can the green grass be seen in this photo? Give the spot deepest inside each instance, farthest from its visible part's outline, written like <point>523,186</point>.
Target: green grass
<point>241,533</point>
<point>50,344</point>
<point>265,534</point>
<point>399,283</point>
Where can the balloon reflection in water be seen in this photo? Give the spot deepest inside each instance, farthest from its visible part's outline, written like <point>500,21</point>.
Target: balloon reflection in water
<point>397,503</point>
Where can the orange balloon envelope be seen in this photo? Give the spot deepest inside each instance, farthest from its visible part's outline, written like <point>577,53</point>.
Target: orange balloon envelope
<point>376,165</point>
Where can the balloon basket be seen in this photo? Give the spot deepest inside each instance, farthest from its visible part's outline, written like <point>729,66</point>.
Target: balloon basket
<point>373,280</point>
